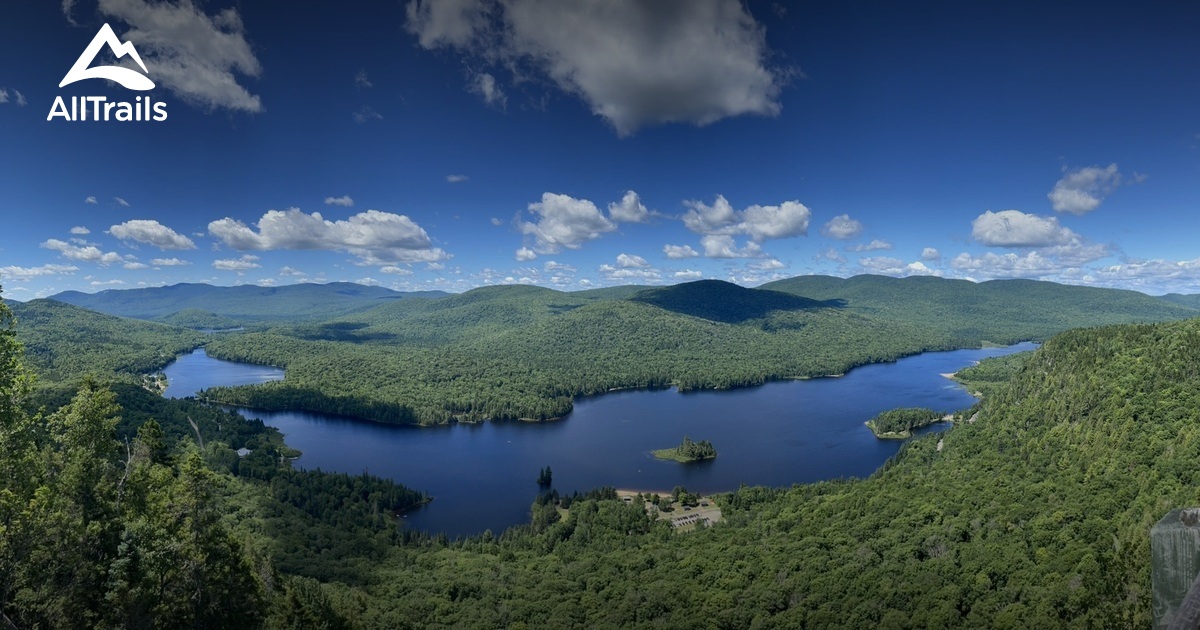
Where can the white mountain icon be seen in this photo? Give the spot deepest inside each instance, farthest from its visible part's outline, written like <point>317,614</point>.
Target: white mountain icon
<point>131,79</point>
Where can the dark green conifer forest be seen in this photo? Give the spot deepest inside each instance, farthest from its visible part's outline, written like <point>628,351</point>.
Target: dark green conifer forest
<point>1035,514</point>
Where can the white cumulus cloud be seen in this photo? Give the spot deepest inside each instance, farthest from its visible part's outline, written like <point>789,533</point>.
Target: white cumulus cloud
<point>626,261</point>
<point>240,265</point>
<point>679,251</point>
<point>630,274</point>
<point>563,221</point>
<point>80,230</point>
<point>1080,191</point>
<point>85,253</point>
<point>760,223</point>
<point>151,232</point>
<point>1013,228</point>
<point>842,227</point>
<point>722,246</point>
<point>344,201</point>
<point>991,265</point>
<point>374,236</point>
<point>525,254</point>
<point>629,209</point>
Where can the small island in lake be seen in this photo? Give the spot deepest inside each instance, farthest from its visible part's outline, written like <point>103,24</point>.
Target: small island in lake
<point>545,477</point>
<point>688,451</point>
<point>898,424</point>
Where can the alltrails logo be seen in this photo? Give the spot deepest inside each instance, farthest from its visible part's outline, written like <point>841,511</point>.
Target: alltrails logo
<point>100,108</point>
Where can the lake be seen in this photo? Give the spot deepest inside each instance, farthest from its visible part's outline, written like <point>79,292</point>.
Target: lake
<point>483,476</point>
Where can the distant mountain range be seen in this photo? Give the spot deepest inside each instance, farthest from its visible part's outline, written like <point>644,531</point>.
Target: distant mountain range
<point>207,306</point>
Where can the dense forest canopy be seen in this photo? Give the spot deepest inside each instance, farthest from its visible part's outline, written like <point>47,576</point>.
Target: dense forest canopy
<point>1035,514</point>
<point>525,352</point>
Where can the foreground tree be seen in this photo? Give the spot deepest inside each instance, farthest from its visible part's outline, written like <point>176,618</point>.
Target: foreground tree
<point>99,533</point>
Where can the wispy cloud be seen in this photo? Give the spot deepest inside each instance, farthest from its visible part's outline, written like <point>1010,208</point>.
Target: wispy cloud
<point>366,114</point>
<point>196,56</point>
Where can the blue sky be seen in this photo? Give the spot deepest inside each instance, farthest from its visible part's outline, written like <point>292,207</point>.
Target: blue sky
<point>457,143</point>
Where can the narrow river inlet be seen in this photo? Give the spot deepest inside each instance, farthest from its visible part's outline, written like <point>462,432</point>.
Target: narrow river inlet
<point>484,476</point>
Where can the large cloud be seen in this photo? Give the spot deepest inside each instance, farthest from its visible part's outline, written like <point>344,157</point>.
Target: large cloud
<point>1081,191</point>
<point>376,237</point>
<point>634,63</point>
<point>1013,228</point>
<point>152,233</point>
<point>192,54</point>
<point>564,221</point>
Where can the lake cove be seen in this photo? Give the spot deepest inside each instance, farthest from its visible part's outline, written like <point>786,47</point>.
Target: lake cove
<point>484,476</point>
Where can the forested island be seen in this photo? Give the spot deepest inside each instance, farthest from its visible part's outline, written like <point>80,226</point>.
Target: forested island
<point>1036,514</point>
<point>898,424</point>
<point>687,451</point>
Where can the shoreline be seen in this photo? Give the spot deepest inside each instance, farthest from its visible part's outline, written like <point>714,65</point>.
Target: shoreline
<point>574,398</point>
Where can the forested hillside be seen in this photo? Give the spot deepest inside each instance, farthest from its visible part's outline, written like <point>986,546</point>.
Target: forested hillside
<point>1035,514</point>
<point>1000,311</point>
<point>119,508</point>
<point>62,341</point>
<point>1190,300</point>
<point>524,352</point>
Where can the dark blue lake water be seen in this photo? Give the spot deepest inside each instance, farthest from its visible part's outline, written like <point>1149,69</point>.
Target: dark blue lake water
<point>484,476</point>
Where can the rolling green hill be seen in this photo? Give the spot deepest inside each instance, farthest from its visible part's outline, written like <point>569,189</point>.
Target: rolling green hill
<point>1036,514</point>
<point>999,311</point>
<point>243,304</point>
<point>64,341</point>
<point>524,352</point>
<point>726,302</point>
<point>1190,300</point>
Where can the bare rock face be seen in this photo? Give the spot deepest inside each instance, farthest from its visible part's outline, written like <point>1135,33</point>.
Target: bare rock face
<point>1175,565</point>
